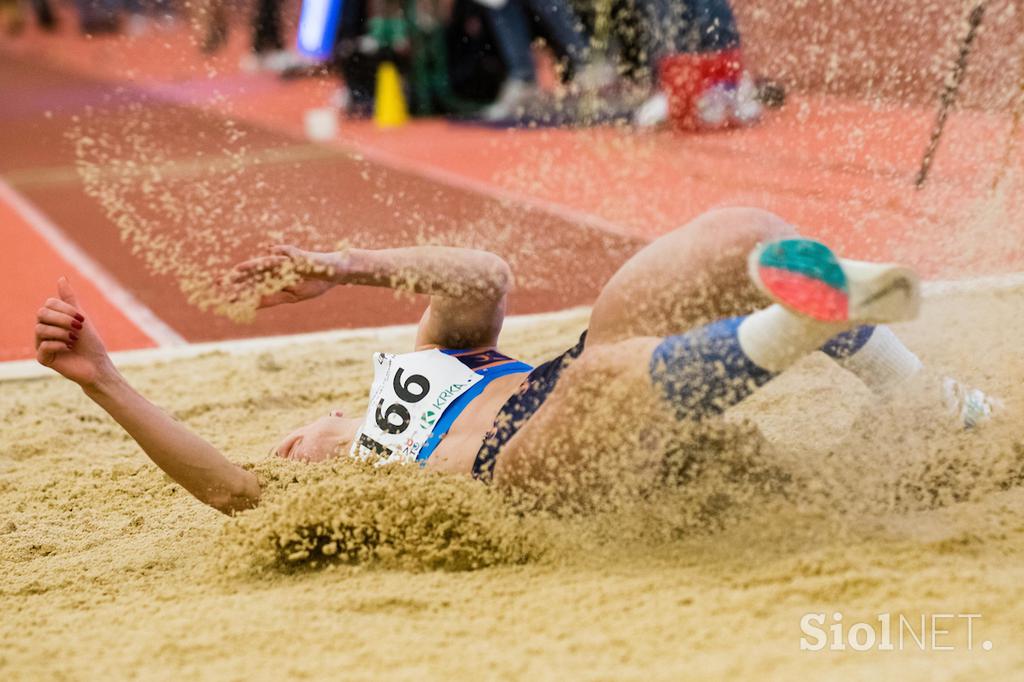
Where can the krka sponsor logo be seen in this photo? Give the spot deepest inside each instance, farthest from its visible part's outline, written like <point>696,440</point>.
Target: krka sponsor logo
<point>430,417</point>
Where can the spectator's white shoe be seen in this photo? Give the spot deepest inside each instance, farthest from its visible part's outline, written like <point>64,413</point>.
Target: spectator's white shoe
<point>511,100</point>
<point>279,61</point>
<point>367,44</point>
<point>747,108</point>
<point>715,106</point>
<point>275,61</point>
<point>726,104</point>
<point>721,105</point>
<point>969,406</point>
<point>594,76</point>
<point>137,25</point>
<point>653,112</point>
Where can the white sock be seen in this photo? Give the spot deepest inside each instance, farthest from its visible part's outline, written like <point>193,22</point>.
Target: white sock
<point>775,338</point>
<point>883,361</point>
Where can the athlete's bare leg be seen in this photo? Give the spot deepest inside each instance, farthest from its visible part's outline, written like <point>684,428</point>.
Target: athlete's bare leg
<point>612,399</point>
<point>687,278</point>
<point>603,403</point>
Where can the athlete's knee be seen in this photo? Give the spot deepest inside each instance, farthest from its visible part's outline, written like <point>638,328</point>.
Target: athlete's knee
<point>742,227</point>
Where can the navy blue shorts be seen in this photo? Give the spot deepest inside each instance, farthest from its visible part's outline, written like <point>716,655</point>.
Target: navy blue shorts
<point>520,407</point>
<point>701,373</point>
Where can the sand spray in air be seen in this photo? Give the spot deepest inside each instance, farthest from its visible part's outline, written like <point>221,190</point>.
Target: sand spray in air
<point>190,205</point>
<point>186,215</point>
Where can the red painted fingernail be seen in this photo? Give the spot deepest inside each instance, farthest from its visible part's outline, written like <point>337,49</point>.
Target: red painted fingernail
<point>76,325</point>
<point>78,316</point>
<point>73,336</point>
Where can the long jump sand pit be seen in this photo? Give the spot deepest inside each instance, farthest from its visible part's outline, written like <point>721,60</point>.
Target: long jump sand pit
<point>109,570</point>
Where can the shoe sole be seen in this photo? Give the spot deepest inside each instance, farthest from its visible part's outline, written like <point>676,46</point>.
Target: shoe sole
<point>807,278</point>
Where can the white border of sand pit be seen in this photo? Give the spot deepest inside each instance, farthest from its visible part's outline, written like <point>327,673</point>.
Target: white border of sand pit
<point>30,369</point>
<point>994,284</point>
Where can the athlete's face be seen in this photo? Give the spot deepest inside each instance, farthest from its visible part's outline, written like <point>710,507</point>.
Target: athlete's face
<point>344,429</point>
<point>327,437</point>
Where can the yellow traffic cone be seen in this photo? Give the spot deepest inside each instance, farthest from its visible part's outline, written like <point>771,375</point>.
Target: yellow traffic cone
<point>389,110</point>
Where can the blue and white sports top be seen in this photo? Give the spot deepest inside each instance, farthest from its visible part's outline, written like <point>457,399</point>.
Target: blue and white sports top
<point>489,364</point>
<point>416,397</point>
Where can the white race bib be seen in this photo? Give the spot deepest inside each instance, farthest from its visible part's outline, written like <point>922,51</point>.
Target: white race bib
<point>410,393</point>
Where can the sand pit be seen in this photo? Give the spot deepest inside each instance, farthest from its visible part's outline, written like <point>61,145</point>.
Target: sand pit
<point>109,570</point>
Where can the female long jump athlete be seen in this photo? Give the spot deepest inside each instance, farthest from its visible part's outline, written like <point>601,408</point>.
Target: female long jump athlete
<point>680,324</point>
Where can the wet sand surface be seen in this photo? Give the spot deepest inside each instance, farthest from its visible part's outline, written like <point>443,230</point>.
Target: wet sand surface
<point>109,570</point>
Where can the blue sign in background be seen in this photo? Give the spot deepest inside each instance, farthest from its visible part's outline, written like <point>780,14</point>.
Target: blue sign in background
<point>318,27</point>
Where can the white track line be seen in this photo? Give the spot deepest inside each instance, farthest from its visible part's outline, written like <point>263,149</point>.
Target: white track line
<point>993,284</point>
<point>140,315</point>
<point>174,169</point>
<point>30,369</point>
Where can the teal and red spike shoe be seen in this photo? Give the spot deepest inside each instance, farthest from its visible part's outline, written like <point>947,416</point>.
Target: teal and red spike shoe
<point>804,276</point>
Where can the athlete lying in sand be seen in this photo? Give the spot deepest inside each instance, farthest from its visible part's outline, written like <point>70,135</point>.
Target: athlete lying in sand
<point>678,324</point>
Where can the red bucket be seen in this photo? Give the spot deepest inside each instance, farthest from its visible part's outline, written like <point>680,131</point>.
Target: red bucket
<point>685,77</point>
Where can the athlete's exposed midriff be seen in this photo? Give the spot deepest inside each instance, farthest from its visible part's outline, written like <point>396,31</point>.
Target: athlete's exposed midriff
<point>457,450</point>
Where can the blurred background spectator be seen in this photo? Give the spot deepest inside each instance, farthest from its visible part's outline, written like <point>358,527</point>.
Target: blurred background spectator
<point>513,23</point>
<point>694,46</point>
<point>649,60</point>
<point>267,44</point>
<point>12,18</point>
<point>97,17</point>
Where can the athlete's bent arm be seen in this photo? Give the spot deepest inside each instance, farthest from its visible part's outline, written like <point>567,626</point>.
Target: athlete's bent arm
<point>441,271</point>
<point>467,287</point>
<point>69,344</point>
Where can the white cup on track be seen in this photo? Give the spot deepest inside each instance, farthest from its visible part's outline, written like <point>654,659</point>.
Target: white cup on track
<point>321,123</point>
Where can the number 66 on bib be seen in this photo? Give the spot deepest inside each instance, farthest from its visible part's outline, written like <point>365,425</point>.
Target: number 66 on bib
<point>410,393</point>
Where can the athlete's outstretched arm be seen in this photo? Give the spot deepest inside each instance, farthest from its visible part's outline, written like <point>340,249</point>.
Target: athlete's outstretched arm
<point>443,271</point>
<point>467,287</point>
<point>69,344</point>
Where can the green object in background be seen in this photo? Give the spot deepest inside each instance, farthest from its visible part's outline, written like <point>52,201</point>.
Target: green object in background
<point>388,31</point>
<point>429,81</point>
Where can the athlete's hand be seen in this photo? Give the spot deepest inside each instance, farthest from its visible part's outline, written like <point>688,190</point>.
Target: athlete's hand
<point>67,342</point>
<point>290,273</point>
<point>318,441</point>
